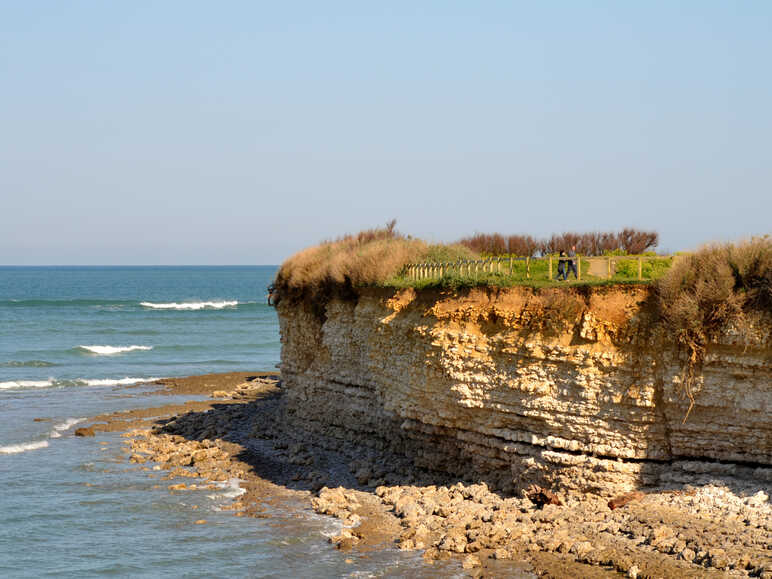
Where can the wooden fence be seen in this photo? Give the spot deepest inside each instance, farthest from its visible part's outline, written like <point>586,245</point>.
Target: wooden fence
<point>505,265</point>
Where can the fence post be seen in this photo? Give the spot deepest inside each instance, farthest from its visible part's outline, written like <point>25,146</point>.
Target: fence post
<point>608,268</point>
<point>579,267</point>
<point>528,267</point>
<point>550,271</point>
<point>640,268</point>
<point>510,265</point>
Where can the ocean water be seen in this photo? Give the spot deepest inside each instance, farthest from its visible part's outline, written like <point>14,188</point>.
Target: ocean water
<point>79,341</point>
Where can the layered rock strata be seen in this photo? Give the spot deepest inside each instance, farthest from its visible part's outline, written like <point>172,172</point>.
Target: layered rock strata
<point>579,389</point>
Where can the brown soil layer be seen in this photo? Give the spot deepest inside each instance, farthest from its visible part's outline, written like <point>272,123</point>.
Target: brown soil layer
<point>385,502</point>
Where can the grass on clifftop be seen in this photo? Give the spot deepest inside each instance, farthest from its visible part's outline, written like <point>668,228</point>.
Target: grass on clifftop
<point>369,258</point>
<point>699,289</point>
<point>713,289</point>
<point>377,257</point>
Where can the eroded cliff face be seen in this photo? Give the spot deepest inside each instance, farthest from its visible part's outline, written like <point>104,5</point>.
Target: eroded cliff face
<point>572,388</point>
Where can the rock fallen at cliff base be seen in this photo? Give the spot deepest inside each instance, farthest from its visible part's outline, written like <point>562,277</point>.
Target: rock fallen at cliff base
<point>541,497</point>
<point>622,500</point>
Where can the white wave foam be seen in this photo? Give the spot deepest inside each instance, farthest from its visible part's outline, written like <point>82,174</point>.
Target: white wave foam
<point>110,350</point>
<point>190,305</point>
<point>51,382</point>
<point>116,381</point>
<point>23,447</point>
<point>232,489</point>
<point>26,384</point>
<point>66,425</point>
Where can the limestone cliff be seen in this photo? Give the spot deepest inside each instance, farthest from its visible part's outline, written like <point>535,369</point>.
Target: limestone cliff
<point>571,388</point>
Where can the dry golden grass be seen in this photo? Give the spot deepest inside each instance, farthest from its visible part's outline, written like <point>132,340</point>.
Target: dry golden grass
<point>367,258</point>
<point>715,286</point>
<point>712,289</point>
<point>370,257</point>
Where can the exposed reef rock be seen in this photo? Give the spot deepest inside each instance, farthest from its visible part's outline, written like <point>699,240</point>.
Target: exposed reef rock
<point>576,389</point>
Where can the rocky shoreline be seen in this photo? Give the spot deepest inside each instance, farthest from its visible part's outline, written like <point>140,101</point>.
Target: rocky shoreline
<point>717,529</point>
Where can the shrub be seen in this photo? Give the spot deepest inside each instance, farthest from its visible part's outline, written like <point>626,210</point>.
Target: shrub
<point>711,289</point>
<point>440,253</point>
<point>369,257</point>
<point>636,242</point>
<point>522,245</point>
<point>486,243</point>
<point>626,241</point>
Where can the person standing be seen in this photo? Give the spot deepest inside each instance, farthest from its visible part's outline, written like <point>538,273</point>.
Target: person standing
<point>562,275</point>
<point>571,262</point>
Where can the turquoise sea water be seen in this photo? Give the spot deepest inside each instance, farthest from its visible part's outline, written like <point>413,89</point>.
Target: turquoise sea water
<point>78,341</point>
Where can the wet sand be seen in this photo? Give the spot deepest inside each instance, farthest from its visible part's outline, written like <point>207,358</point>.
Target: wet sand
<point>384,503</point>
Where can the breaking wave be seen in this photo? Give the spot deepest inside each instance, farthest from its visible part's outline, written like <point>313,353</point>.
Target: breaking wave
<point>52,382</point>
<point>191,305</point>
<point>23,447</point>
<point>110,350</point>
<point>66,425</point>
<point>116,382</point>
<point>13,384</point>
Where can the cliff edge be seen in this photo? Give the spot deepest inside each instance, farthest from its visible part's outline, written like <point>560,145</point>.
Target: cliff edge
<point>577,389</point>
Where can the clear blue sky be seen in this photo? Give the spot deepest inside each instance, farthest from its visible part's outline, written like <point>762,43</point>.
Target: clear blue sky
<point>240,132</point>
